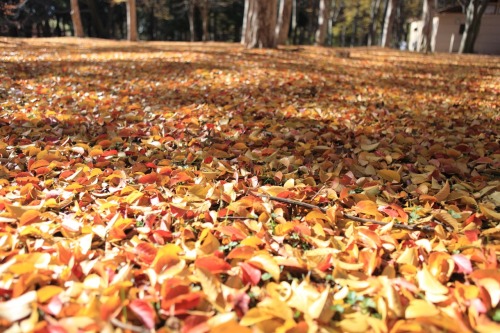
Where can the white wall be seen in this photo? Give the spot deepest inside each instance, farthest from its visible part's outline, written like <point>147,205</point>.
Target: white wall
<point>447,29</point>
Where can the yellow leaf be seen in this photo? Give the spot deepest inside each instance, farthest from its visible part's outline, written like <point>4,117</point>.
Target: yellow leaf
<point>284,228</point>
<point>443,193</point>
<point>73,187</point>
<point>314,214</point>
<point>253,241</point>
<point>420,308</point>
<point>428,283</point>
<point>389,175</point>
<point>267,263</point>
<point>46,293</point>
<point>231,327</point>
<point>489,212</point>
<point>354,323</point>
<point>349,266</point>
<point>134,196</point>
<point>254,316</point>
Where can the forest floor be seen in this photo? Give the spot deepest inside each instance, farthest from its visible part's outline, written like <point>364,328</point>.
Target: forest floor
<point>170,187</point>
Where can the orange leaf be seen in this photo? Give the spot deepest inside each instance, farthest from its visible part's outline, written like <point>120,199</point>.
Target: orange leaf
<point>150,178</point>
<point>30,216</point>
<point>38,164</point>
<point>241,252</point>
<point>212,264</point>
<point>235,233</point>
<point>368,207</point>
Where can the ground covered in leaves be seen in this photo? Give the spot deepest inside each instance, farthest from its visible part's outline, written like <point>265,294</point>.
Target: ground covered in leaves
<point>205,187</point>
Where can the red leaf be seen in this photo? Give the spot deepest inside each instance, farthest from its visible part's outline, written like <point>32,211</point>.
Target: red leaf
<point>144,312</point>
<point>181,177</point>
<point>213,264</point>
<point>109,153</point>
<point>146,252</point>
<point>182,303</point>
<point>250,274</point>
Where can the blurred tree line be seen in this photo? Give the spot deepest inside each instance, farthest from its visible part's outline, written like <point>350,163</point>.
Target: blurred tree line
<point>256,23</point>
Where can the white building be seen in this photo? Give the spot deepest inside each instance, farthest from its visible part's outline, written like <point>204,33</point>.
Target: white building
<point>448,28</point>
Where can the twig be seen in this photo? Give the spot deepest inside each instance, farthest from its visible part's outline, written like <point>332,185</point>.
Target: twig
<point>125,326</point>
<point>236,218</point>
<point>350,217</point>
<point>292,202</point>
<point>395,225</point>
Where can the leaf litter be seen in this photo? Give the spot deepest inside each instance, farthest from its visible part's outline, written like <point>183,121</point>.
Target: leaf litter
<point>203,187</point>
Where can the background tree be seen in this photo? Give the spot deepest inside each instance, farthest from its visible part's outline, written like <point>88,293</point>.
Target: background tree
<point>428,10</point>
<point>374,10</point>
<point>131,20</point>
<point>76,19</point>
<point>260,23</point>
<point>390,11</point>
<point>284,18</point>
<point>474,10</point>
<point>323,20</point>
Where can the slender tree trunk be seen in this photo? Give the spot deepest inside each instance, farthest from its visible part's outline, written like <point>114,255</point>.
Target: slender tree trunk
<point>131,21</point>
<point>323,20</point>
<point>284,18</point>
<point>374,9</point>
<point>204,19</point>
<point>427,18</point>
<point>75,17</point>
<point>355,24</point>
<point>473,15</point>
<point>246,14</point>
<point>191,7</point>
<point>294,22</point>
<point>261,24</point>
<point>388,23</point>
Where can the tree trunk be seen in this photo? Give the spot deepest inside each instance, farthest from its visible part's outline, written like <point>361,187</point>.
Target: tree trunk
<point>261,24</point>
<point>473,15</point>
<point>355,23</point>
<point>294,22</point>
<point>75,17</point>
<point>388,22</point>
<point>204,19</point>
<point>284,18</point>
<point>190,11</point>
<point>246,14</point>
<point>374,9</point>
<point>131,21</point>
<point>427,18</point>
<point>323,19</point>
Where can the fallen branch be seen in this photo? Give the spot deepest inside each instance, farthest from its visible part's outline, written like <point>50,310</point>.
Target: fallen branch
<point>129,327</point>
<point>350,217</point>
